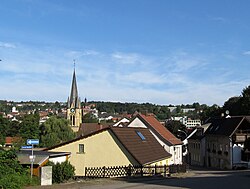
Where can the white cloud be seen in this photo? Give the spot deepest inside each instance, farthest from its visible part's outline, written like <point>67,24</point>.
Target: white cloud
<point>182,61</point>
<point>126,58</point>
<point>7,45</point>
<point>45,74</point>
<point>246,53</point>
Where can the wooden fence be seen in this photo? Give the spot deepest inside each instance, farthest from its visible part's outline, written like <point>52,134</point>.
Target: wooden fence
<point>123,171</point>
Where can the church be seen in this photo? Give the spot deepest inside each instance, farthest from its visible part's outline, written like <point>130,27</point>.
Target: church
<point>74,110</point>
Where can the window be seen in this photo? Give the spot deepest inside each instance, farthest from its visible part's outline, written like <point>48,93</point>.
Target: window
<point>141,135</point>
<point>81,148</point>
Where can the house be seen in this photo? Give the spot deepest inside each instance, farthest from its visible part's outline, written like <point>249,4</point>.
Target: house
<point>196,145</point>
<point>123,121</point>
<point>11,141</point>
<point>225,140</point>
<point>41,158</point>
<point>113,146</point>
<point>166,139</point>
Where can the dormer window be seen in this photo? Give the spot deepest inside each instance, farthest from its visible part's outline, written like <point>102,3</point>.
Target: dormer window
<point>141,135</point>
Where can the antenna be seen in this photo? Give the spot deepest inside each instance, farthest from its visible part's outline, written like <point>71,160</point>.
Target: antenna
<point>74,64</point>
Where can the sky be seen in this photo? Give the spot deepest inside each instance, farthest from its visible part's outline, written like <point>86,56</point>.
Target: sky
<point>157,51</point>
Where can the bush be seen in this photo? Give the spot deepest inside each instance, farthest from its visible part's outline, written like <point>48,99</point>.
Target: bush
<point>12,174</point>
<point>62,172</point>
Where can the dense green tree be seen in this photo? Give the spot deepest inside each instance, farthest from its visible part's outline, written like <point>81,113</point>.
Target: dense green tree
<point>89,118</point>
<point>29,127</point>
<point>14,129</point>
<point>239,105</point>
<point>12,174</point>
<point>177,128</point>
<point>245,101</point>
<point>54,131</point>
<point>4,127</point>
<point>210,111</point>
<point>232,105</point>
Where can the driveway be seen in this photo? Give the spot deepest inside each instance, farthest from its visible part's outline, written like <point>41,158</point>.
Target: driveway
<point>195,179</point>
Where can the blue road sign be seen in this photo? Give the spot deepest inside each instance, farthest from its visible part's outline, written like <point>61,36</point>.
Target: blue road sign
<point>26,147</point>
<point>32,141</point>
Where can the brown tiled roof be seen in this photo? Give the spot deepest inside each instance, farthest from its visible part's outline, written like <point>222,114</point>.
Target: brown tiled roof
<point>88,128</point>
<point>144,151</point>
<point>159,129</point>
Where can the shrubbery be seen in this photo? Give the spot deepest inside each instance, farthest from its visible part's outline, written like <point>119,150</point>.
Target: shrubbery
<point>62,172</point>
<point>12,174</point>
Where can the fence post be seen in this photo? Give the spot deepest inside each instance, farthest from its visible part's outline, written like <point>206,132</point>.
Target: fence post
<point>165,170</point>
<point>103,171</point>
<point>141,170</point>
<point>129,170</point>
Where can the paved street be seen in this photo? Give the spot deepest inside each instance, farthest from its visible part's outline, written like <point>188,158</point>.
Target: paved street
<point>195,179</point>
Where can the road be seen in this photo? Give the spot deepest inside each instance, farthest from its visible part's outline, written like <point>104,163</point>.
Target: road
<point>195,179</point>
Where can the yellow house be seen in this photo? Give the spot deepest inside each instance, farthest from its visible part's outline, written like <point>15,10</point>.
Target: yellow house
<point>114,147</point>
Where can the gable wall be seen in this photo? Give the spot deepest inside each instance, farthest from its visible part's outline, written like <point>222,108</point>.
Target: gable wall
<point>137,123</point>
<point>101,150</point>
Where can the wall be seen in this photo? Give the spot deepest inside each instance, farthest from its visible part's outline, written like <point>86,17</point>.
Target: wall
<point>220,152</point>
<point>137,123</point>
<point>99,150</point>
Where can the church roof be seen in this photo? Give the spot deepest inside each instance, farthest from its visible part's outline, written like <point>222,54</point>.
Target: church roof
<point>73,100</point>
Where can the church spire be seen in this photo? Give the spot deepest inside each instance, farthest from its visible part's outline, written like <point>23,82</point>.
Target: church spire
<point>73,100</point>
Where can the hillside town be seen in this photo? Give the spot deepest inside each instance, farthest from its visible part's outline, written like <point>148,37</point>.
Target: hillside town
<point>102,144</point>
<point>137,94</point>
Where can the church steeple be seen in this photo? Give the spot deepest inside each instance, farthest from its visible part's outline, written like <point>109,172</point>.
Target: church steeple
<point>74,111</point>
<point>74,101</point>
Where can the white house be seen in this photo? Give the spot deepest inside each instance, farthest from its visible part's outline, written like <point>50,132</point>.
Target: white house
<point>167,140</point>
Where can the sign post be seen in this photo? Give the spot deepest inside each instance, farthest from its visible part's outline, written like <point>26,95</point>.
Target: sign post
<point>32,142</point>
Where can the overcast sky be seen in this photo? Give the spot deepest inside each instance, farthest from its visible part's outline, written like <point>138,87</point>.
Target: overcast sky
<point>156,51</point>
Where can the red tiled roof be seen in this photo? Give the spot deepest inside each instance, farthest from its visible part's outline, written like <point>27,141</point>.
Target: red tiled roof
<point>160,129</point>
<point>10,140</point>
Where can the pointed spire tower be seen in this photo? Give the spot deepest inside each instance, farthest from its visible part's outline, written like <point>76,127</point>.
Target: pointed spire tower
<point>74,111</point>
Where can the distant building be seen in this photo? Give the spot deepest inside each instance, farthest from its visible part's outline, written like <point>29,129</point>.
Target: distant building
<point>188,122</point>
<point>172,109</point>
<point>185,110</point>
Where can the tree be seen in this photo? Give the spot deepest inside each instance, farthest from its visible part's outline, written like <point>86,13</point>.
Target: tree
<point>89,118</point>
<point>4,126</point>
<point>245,101</point>
<point>177,128</point>
<point>14,129</point>
<point>12,174</point>
<point>54,131</point>
<point>232,105</point>
<point>29,127</point>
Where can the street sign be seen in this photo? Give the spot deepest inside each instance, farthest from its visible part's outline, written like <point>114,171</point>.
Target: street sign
<point>26,147</point>
<point>32,141</point>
